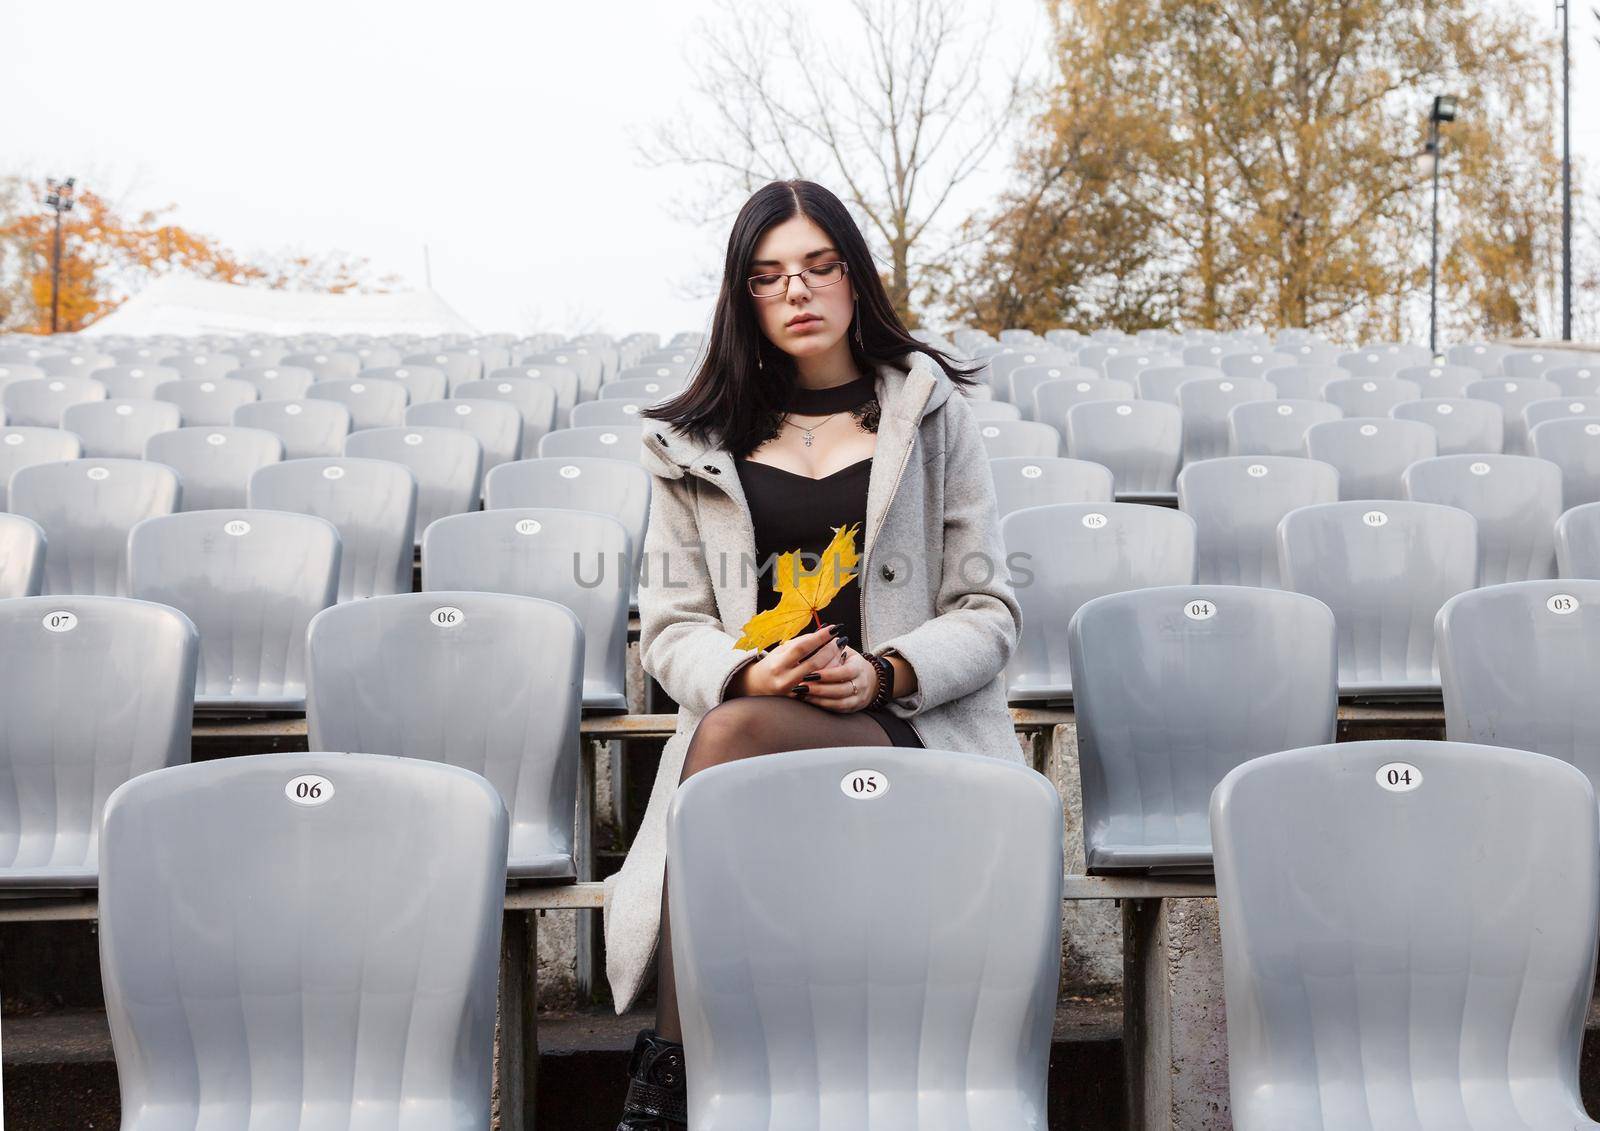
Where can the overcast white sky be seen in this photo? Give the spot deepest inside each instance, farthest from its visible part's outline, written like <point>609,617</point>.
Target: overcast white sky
<point>497,133</point>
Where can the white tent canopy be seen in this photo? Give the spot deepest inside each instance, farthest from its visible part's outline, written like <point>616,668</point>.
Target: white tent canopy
<point>177,305</point>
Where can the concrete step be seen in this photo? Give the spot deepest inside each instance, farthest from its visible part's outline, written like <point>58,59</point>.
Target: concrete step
<point>60,1074</point>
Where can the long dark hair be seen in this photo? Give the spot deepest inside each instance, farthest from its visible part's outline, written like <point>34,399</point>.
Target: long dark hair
<point>731,401</point>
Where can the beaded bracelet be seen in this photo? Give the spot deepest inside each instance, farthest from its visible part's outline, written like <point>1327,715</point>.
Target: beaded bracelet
<point>885,690</point>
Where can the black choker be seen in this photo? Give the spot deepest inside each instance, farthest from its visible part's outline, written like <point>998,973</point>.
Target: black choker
<point>836,398</point>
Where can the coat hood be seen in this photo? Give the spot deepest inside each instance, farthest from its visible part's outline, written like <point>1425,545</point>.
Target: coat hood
<point>670,453</point>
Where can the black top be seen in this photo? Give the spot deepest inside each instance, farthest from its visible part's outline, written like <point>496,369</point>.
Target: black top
<point>795,512</point>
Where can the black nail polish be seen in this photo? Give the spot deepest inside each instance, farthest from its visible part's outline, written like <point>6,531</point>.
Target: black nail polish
<point>813,677</point>
<point>800,689</point>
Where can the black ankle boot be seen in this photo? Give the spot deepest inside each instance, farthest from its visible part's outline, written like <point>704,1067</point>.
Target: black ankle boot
<point>656,1098</point>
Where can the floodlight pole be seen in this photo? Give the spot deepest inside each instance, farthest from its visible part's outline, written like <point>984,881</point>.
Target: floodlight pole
<point>1566,173</point>
<point>1433,267</point>
<point>59,200</point>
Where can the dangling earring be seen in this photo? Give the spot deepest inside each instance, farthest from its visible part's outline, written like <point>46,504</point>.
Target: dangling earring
<point>759,365</point>
<point>859,343</point>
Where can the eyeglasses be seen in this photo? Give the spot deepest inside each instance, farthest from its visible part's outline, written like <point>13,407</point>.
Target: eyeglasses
<point>816,276</point>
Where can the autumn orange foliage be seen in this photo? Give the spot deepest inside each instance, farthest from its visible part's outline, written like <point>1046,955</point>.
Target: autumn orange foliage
<point>106,255</point>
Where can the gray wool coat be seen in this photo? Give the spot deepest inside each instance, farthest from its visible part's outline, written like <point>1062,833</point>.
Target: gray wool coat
<point>934,588</point>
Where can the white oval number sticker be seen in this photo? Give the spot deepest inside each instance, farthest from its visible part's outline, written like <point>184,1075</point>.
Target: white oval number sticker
<point>1562,604</point>
<point>1375,518</point>
<point>98,473</point>
<point>238,527</point>
<point>1094,521</point>
<point>1032,471</point>
<point>1369,429</point>
<point>61,621</point>
<point>864,785</point>
<point>571,471</point>
<point>309,790</point>
<point>1256,470</point>
<point>333,473</point>
<point>528,526</point>
<point>446,615</point>
<point>1399,777</point>
<point>1479,468</point>
<point>1199,610</point>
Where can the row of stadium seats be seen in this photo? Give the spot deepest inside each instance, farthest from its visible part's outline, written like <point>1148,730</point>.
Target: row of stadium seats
<point>1172,686</point>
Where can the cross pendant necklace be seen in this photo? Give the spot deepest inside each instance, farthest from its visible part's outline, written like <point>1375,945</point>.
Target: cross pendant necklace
<point>809,434</point>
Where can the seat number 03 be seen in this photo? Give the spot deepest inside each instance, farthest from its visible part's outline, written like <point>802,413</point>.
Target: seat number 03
<point>864,785</point>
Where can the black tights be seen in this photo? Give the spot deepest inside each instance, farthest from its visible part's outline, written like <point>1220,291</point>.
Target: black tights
<point>746,728</point>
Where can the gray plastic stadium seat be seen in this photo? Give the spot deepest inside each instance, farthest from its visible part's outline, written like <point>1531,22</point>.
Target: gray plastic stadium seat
<point>326,365</point>
<point>1516,500</point>
<point>1575,380</point>
<point>561,378</point>
<point>1140,441</point>
<point>1513,396</point>
<point>1208,353</point>
<point>135,382</point>
<point>339,952</point>
<point>215,464</point>
<point>580,559</point>
<point>39,403</point>
<point>1478,355</point>
<point>1275,428</point>
<point>1418,955</point>
<point>1022,482</point>
<point>1172,688</point>
<point>373,402</point>
<point>606,486</point>
<point>74,363</point>
<point>119,429</point>
<point>1304,382</point>
<point>202,365</point>
<point>276,382</point>
<point>1253,363</point>
<point>1573,446</point>
<point>605,442</point>
<point>1385,568</point>
<point>1462,425</point>
<point>1161,383</point>
<point>1578,541</point>
<point>623,414</point>
<point>1237,503</point>
<point>208,403</point>
<point>982,411</point>
<point>1376,362</point>
<point>1441,380</point>
<point>457,366</point>
<point>1371,453</point>
<point>1528,365</point>
<point>1027,438</point>
<point>675,373</point>
<point>371,502</point>
<point>489,682</point>
<point>1026,379</point>
<point>648,389</point>
<point>422,382</point>
<point>497,424</point>
<point>308,428</point>
<point>1060,556</point>
<point>1205,405</point>
<point>534,398</point>
<point>21,556</point>
<point>1519,664</point>
<point>1559,408</point>
<point>251,580</point>
<point>106,693</point>
<point>447,464</point>
<point>1370,396</point>
<point>964,1002</point>
<point>1053,399</point>
<point>86,508</point>
<point>17,371</point>
<point>24,447</point>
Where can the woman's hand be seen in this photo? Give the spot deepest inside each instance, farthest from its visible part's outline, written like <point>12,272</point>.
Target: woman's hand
<point>847,686</point>
<point>786,667</point>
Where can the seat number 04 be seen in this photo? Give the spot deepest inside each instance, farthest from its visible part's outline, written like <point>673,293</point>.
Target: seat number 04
<point>864,785</point>
<point>1399,777</point>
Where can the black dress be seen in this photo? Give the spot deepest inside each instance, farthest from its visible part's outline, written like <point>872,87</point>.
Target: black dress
<point>796,512</point>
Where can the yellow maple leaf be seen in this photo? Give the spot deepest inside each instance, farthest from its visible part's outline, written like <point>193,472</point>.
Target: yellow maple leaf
<point>802,593</point>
